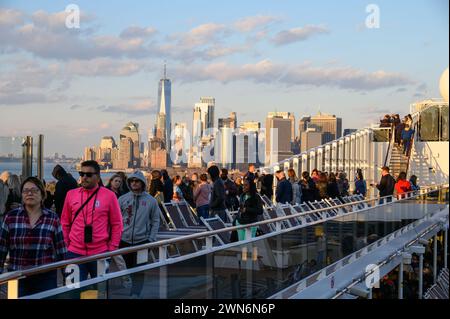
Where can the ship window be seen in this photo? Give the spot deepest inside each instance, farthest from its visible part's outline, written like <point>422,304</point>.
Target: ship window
<point>444,123</point>
<point>429,124</point>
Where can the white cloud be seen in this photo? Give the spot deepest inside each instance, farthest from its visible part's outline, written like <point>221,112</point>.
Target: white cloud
<point>298,34</point>
<point>201,35</point>
<point>137,32</point>
<point>249,24</point>
<point>10,17</point>
<point>266,71</point>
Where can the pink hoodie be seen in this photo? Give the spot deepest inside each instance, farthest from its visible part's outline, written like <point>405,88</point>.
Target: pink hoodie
<point>106,221</point>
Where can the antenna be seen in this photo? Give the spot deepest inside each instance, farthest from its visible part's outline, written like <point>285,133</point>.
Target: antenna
<point>165,72</point>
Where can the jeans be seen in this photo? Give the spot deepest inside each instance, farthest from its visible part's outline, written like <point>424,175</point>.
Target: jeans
<point>37,283</point>
<point>203,211</point>
<point>131,261</point>
<point>406,144</point>
<point>85,269</point>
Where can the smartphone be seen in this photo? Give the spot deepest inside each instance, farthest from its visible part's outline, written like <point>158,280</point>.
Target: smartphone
<point>87,234</point>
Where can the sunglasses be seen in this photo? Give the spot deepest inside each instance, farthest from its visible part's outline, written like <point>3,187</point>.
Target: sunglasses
<point>134,180</point>
<point>88,174</point>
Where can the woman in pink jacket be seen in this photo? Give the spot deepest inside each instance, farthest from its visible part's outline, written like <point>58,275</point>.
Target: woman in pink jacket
<point>91,219</point>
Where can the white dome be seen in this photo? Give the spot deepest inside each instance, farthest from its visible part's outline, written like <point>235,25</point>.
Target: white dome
<point>443,85</point>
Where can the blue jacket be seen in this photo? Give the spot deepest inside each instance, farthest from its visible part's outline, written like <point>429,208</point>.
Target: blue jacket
<point>406,135</point>
<point>284,192</point>
<point>360,187</point>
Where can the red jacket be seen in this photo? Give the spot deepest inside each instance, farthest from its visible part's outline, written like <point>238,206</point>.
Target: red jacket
<point>403,186</point>
<point>106,221</point>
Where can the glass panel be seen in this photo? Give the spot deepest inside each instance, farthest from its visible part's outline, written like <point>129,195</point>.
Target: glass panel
<point>11,154</point>
<point>381,135</point>
<point>444,123</point>
<point>429,124</point>
<point>266,266</point>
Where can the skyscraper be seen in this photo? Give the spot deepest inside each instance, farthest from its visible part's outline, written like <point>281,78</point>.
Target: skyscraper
<point>329,125</point>
<point>202,125</point>
<point>130,131</point>
<point>163,118</point>
<point>206,109</point>
<point>250,126</point>
<point>285,115</point>
<point>278,138</point>
<point>229,122</point>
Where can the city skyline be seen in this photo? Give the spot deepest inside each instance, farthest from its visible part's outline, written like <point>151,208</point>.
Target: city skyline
<point>79,85</point>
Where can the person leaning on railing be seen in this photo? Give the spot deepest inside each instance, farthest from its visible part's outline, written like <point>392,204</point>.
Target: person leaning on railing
<point>250,208</point>
<point>33,237</point>
<point>386,184</point>
<point>402,186</point>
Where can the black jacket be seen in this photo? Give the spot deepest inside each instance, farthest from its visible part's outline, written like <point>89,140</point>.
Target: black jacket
<point>188,194</point>
<point>333,190</point>
<point>284,192</point>
<point>156,186</point>
<point>168,191</point>
<point>386,185</point>
<point>65,183</point>
<point>217,201</point>
<point>267,185</point>
<point>310,192</point>
<point>252,208</point>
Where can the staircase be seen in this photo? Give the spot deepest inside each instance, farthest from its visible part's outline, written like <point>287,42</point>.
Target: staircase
<point>398,162</point>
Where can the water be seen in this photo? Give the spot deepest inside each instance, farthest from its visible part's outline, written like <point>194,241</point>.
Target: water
<point>16,168</point>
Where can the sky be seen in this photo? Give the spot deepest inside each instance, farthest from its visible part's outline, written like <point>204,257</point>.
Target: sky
<point>75,85</point>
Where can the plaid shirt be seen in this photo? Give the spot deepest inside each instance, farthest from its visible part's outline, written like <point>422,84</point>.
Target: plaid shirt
<point>30,247</point>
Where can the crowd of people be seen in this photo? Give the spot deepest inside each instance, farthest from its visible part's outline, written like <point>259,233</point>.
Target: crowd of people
<point>403,130</point>
<point>82,218</point>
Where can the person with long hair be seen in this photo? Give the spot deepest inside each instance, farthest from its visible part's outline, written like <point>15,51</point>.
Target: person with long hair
<point>402,186</point>
<point>177,192</point>
<point>413,182</point>
<point>14,197</point>
<point>296,189</point>
<point>157,187</point>
<point>250,208</point>
<point>115,184</point>
<point>360,184</point>
<point>33,236</point>
<point>123,187</point>
<point>322,185</point>
<point>168,186</point>
<point>332,188</point>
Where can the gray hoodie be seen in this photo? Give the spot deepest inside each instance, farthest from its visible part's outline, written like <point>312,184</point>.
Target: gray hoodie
<point>140,214</point>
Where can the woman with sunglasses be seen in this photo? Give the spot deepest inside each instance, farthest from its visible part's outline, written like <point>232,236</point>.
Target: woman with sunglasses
<point>32,235</point>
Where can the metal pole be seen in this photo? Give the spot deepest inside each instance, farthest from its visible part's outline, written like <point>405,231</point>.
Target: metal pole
<point>400,281</point>
<point>370,293</point>
<point>420,276</point>
<point>445,248</point>
<point>27,157</point>
<point>40,157</point>
<point>434,258</point>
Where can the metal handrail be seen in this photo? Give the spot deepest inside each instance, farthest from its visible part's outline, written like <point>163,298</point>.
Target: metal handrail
<point>289,159</point>
<point>166,242</point>
<point>391,145</point>
<point>384,262</point>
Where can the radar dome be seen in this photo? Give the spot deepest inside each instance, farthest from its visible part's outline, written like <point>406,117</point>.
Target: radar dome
<point>443,85</point>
